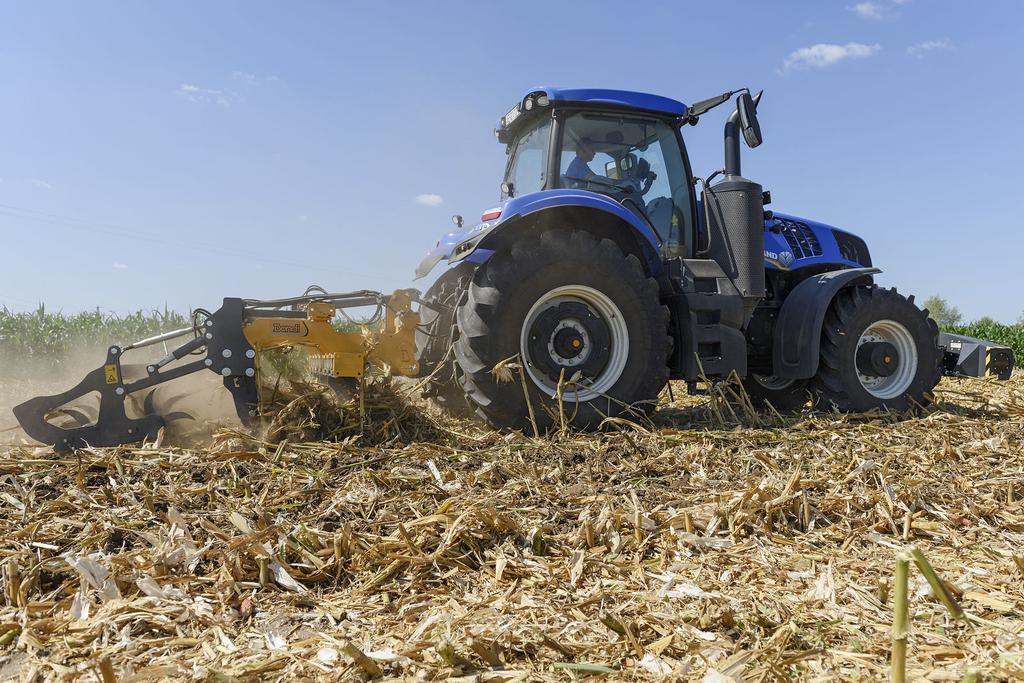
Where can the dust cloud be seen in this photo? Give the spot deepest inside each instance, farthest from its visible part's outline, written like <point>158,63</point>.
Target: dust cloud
<point>197,404</point>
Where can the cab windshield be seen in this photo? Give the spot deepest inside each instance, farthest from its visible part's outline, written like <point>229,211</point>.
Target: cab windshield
<point>528,160</point>
<point>638,162</point>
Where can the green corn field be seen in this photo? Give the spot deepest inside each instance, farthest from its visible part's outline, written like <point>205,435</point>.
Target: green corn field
<point>1010,335</point>
<point>42,339</point>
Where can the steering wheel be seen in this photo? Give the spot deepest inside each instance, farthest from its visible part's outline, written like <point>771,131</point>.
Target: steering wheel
<point>627,186</point>
<point>643,176</point>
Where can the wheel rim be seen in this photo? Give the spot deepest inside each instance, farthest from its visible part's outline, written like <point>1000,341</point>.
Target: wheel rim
<point>896,334</point>
<point>774,383</point>
<point>578,329</point>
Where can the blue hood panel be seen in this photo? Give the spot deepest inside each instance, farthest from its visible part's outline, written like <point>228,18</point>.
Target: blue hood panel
<point>791,243</point>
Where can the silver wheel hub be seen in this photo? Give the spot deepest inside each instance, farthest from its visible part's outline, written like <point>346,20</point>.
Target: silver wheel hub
<point>902,376</point>
<point>580,339</point>
<point>573,330</point>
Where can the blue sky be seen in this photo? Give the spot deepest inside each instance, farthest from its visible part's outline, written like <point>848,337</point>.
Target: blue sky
<point>178,153</point>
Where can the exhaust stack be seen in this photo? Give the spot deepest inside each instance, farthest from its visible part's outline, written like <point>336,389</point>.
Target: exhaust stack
<point>735,217</point>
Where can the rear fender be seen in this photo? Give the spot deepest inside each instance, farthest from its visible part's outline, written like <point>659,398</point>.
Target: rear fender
<point>798,331</point>
<point>569,209</point>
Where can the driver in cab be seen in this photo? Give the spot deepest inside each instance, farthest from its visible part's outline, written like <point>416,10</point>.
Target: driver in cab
<point>579,167</point>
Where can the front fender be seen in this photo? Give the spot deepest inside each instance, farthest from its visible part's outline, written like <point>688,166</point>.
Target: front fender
<point>798,331</point>
<point>433,257</point>
<point>520,207</point>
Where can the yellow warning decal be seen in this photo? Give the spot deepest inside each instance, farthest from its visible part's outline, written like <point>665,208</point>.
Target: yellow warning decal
<point>110,371</point>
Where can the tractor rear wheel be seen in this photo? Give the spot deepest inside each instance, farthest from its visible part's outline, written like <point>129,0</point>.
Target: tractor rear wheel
<point>434,338</point>
<point>878,350</point>
<point>583,319</point>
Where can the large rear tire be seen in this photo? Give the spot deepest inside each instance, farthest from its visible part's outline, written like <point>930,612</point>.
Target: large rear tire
<point>569,306</point>
<point>878,351</point>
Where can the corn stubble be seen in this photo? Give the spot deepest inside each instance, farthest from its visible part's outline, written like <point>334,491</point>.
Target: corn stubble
<point>711,544</point>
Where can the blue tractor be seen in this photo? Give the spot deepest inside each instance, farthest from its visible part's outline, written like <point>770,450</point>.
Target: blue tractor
<point>600,273</point>
<point>605,273</point>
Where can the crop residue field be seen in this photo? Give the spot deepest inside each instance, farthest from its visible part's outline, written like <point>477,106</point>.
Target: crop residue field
<point>701,548</point>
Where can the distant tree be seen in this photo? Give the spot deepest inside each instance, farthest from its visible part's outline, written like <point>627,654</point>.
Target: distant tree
<point>942,312</point>
<point>985,320</point>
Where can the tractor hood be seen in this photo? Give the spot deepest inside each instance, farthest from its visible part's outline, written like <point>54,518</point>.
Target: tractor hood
<point>791,243</point>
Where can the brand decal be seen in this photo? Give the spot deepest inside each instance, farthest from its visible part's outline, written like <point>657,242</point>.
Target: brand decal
<point>783,259</point>
<point>295,329</point>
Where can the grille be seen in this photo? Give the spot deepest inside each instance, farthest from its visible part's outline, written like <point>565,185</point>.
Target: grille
<point>801,239</point>
<point>852,248</point>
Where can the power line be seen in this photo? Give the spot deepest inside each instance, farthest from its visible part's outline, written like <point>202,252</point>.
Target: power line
<point>119,231</point>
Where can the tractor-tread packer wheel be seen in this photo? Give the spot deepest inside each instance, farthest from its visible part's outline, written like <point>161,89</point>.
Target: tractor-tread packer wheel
<point>571,285</point>
<point>869,316</point>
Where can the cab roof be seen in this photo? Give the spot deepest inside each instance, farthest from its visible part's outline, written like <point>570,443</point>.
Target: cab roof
<point>640,101</point>
<point>623,98</point>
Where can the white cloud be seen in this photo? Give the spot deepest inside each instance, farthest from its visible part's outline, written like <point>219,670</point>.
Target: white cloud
<point>921,49</point>
<point>193,93</point>
<point>41,184</point>
<point>826,54</point>
<point>429,199</point>
<point>876,11</point>
<point>117,265</point>
<point>253,79</point>
<point>867,10</point>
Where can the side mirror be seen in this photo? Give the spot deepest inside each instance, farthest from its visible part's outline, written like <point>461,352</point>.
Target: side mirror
<point>748,120</point>
<point>457,220</point>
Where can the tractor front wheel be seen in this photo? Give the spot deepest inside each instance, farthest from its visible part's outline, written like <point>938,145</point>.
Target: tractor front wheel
<point>585,323</point>
<point>878,350</point>
<point>785,395</point>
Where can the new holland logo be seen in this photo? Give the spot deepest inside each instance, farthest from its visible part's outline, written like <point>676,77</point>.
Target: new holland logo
<point>782,259</point>
<point>289,329</point>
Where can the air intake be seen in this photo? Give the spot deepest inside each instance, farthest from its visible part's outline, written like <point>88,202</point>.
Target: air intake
<point>801,239</point>
<point>852,248</point>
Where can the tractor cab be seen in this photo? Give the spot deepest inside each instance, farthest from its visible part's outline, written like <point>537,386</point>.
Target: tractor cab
<point>619,144</point>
